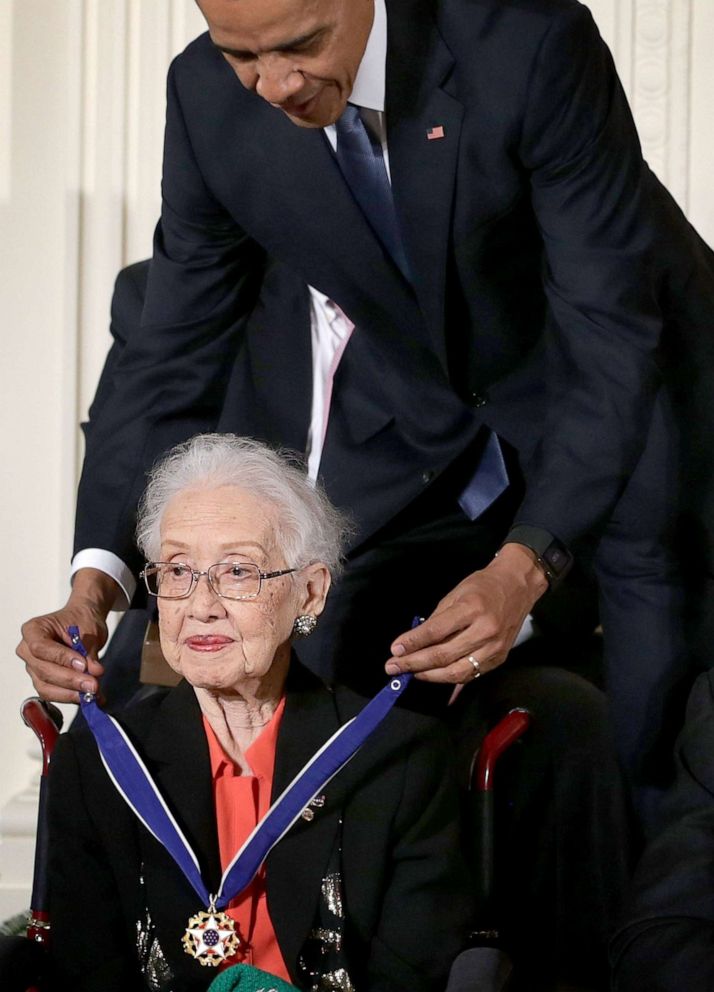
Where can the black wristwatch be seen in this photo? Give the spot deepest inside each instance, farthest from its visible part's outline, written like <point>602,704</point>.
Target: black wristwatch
<point>552,556</point>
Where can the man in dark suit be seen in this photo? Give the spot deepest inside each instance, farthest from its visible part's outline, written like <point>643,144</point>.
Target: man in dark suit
<point>510,309</point>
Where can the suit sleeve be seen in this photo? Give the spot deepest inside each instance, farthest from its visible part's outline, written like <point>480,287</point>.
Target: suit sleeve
<point>127,304</point>
<point>589,191</point>
<point>169,381</point>
<point>667,941</point>
<point>428,891</point>
<point>91,947</point>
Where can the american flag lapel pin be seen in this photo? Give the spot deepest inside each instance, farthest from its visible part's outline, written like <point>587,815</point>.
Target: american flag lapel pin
<point>436,132</point>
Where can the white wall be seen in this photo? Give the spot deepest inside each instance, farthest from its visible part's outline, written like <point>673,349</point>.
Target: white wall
<point>81,118</point>
<point>81,122</point>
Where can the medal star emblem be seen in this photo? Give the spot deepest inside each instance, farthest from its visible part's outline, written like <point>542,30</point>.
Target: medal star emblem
<point>211,938</point>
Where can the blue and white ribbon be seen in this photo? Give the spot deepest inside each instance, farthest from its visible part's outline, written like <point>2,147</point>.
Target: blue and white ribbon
<point>134,783</point>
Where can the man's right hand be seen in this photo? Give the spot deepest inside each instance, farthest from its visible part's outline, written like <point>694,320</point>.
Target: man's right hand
<point>57,671</point>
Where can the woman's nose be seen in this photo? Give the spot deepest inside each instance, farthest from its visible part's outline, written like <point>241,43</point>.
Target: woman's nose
<point>204,602</point>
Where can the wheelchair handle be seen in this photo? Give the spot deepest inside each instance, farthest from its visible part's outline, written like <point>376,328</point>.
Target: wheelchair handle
<point>506,732</point>
<point>45,721</point>
<point>496,742</point>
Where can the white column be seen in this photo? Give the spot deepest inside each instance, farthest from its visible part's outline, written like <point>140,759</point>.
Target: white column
<point>663,51</point>
<point>701,133</point>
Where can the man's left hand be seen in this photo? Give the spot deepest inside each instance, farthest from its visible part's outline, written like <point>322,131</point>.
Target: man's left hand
<point>480,619</point>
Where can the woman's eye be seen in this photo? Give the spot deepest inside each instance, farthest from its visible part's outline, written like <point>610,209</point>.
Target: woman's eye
<point>177,571</point>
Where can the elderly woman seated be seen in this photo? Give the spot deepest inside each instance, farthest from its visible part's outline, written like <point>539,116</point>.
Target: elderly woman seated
<point>366,890</point>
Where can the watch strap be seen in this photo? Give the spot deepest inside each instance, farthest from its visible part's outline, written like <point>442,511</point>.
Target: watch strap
<point>552,556</point>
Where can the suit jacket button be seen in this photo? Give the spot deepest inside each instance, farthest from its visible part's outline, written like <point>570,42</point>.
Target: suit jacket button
<point>477,400</point>
<point>427,476</point>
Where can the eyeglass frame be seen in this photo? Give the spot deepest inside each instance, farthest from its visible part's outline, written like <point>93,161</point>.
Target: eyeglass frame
<point>197,573</point>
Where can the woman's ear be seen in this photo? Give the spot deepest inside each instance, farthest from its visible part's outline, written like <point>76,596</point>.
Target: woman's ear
<point>316,584</point>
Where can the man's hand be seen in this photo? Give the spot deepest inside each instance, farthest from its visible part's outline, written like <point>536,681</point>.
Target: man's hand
<point>481,617</point>
<point>58,672</point>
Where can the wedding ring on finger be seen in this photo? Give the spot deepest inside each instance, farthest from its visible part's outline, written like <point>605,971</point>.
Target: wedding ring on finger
<point>476,667</point>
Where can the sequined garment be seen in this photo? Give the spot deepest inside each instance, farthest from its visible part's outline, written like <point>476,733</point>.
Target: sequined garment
<point>321,964</point>
<point>153,964</point>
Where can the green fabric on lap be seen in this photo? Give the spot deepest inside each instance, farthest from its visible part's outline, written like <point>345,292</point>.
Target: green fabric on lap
<point>246,978</point>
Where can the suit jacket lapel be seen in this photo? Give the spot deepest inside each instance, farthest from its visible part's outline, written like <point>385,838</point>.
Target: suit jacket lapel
<point>286,172</point>
<point>322,233</point>
<point>182,771</point>
<point>356,272</point>
<point>423,169</point>
<point>297,864</point>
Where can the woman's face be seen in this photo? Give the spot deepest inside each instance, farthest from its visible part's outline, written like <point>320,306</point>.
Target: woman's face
<point>217,643</point>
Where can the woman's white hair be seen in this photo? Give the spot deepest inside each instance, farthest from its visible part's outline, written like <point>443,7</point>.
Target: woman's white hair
<point>309,527</point>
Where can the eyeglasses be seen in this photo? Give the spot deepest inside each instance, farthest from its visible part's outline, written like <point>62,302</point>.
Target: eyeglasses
<point>228,579</point>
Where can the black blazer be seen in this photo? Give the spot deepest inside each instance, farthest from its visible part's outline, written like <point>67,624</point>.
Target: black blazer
<point>530,227</point>
<point>667,940</point>
<point>404,886</point>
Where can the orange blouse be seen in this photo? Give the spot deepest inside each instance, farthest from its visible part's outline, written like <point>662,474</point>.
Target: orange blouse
<point>241,801</point>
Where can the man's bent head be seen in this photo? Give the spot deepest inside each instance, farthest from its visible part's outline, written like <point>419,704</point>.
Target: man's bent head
<point>301,56</point>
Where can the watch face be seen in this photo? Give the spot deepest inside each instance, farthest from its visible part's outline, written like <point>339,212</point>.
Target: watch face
<point>555,557</point>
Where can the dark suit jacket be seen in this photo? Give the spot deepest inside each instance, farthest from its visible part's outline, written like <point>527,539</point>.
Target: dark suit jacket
<point>404,885</point>
<point>667,941</point>
<point>535,203</point>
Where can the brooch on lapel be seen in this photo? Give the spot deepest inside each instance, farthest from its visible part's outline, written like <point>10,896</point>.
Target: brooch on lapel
<point>308,814</point>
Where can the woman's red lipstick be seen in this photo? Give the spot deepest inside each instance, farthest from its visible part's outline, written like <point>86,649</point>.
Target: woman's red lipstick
<point>207,642</point>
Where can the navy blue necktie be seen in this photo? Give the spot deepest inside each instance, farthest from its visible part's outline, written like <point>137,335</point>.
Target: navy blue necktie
<point>359,155</point>
<point>488,482</point>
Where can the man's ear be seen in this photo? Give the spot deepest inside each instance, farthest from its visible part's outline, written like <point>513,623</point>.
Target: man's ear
<point>316,584</point>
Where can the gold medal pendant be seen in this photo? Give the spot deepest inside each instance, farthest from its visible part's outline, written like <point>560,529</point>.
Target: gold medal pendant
<point>211,938</point>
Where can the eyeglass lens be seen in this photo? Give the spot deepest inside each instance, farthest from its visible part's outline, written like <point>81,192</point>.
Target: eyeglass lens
<point>231,579</point>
